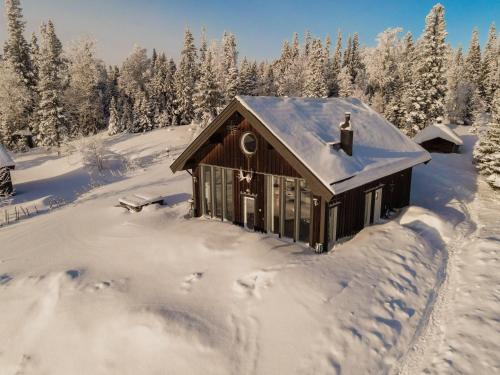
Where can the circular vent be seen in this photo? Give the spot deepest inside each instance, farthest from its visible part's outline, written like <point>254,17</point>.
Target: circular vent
<point>248,143</point>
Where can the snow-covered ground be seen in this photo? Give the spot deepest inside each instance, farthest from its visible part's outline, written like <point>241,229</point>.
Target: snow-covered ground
<point>90,288</point>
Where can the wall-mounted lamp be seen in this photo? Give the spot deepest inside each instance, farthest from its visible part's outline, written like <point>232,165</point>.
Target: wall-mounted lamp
<point>316,202</point>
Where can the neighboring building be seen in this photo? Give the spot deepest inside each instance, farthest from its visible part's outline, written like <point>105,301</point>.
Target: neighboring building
<point>6,164</point>
<point>438,138</point>
<point>285,166</point>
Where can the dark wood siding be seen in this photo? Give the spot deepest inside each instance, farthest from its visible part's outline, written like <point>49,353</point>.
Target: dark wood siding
<point>316,221</point>
<point>440,145</point>
<point>224,150</point>
<point>196,191</point>
<point>395,194</point>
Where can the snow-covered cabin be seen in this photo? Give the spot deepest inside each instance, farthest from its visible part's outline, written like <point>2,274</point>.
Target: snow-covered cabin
<point>6,164</point>
<point>438,138</point>
<point>312,170</point>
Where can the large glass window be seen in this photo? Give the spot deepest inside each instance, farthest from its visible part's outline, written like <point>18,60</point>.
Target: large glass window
<point>276,205</point>
<point>218,192</point>
<point>305,212</point>
<point>229,195</point>
<point>207,190</point>
<point>332,225</point>
<point>289,208</point>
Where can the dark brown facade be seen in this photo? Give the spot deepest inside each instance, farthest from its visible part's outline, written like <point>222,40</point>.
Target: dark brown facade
<point>440,145</point>
<point>282,201</point>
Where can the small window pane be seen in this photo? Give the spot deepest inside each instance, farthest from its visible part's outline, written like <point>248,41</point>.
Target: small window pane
<point>305,212</point>
<point>218,192</point>
<point>276,205</point>
<point>207,191</point>
<point>229,195</point>
<point>289,207</point>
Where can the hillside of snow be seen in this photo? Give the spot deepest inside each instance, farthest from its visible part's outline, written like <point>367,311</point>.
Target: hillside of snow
<point>89,288</point>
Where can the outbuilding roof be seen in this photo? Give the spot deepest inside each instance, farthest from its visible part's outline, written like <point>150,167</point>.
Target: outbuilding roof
<point>308,127</point>
<point>5,159</point>
<point>438,131</point>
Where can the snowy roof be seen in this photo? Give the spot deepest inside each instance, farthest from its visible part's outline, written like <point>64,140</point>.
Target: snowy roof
<point>5,159</point>
<point>437,131</point>
<point>308,127</point>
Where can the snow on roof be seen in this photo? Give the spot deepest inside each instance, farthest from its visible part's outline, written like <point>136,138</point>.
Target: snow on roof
<point>437,131</point>
<point>5,159</point>
<point>308,126</point>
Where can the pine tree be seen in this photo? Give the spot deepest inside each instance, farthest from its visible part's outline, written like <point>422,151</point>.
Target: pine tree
<point>266,80</point>
<point>490,67</point>
<point>207,98</point>
<point>346,87</point>
<point>473,60</point>
<point>17,53</point>
<point>51,113</point>
<point>427,100</point>
<point>487,152</point>
<point>230,66</point>
<point>248,78</point>
<point>315,83</point>
<point>127,116</point>
<point>16,48</point>
<point>114,118</point>
<point>142,114</point>
<point>185,81</point>
<point>134,72</point>
<point>335,68</point>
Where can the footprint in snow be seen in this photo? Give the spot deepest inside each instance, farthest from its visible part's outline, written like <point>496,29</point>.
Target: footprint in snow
<point>253,284</point>
<point>188,282</point>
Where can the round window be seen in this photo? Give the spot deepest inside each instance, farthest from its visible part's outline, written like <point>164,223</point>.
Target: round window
<point>249,143</point>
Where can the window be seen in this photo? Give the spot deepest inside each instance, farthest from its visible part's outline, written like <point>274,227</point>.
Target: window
<point>305,212</point>
<point>276,205</point>
<point>332,225</point>
<point>248,143</point>
<point>207,190</point>
<point>218,192</point>
<point>229,215</point>
<point>289,208</point>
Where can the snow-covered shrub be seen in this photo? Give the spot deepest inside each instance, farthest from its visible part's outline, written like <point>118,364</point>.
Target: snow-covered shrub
<point>94,154</point>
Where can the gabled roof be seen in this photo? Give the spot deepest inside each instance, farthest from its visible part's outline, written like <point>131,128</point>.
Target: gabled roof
<point>5,159</point>
<point>306,128</point>
<point>438,131</point>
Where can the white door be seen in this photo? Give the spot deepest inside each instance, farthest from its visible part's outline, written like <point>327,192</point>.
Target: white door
<point>377,206</point>
<point>249,212</point>
<point>368,208</point>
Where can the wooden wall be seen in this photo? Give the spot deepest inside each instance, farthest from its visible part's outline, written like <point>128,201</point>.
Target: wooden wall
<point>224,150</point>
<point>395,194</point>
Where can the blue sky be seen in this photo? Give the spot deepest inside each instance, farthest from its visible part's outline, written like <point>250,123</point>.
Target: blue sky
<point>260,26</point>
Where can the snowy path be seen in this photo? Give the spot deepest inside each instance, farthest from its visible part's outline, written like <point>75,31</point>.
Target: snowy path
<point>461,334</point>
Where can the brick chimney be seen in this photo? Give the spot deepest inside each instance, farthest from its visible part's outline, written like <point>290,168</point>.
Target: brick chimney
<point>346,135</point>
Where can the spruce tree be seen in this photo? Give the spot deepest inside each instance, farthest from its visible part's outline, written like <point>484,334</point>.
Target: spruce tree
<point>336,66</point>
<point>346,87</point>
<point>487,152</point>
<point>490,67</point>
<point>51,113</point>
<point>207,98</point>
<point>230,67</point>
<point>248,77</point>
<point>114,118</point>
<point>429,88</point>
<point>315,83</point>
<point>185,81</point>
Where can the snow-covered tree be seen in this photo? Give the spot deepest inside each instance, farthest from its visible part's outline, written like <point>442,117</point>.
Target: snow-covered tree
<point>266,82</point>
<point>14,97</point>
<point>134,72</point>
<point>346,87</point>
<point>127,116</point>
<point>83,96</point>
<point>142,114</point>
<point>473,60</point>
<point>248,77</point>
<point>185,81</point>
<point>315,82</point>
<point>335,67</point>
<point>490,67</point>
<point>487,151</point>
<point>114,118</point>
<point>207,98</point>
<point>51,114</point>
<point>428,91</point>
<point>231,83</point>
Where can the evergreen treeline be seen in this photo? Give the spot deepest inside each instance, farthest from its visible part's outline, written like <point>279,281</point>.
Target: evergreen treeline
<point>59,95</point>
